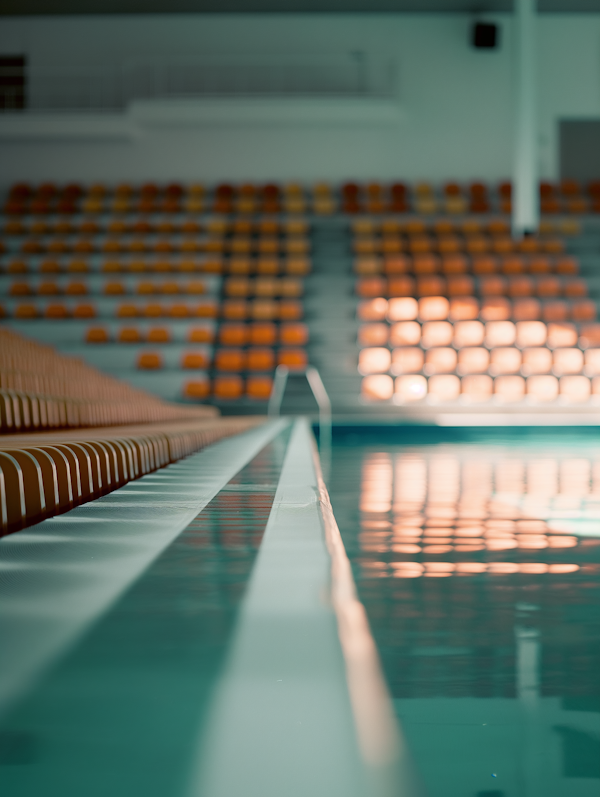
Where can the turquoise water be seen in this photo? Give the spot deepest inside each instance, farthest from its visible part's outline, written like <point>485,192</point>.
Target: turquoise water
<point>477,556</point>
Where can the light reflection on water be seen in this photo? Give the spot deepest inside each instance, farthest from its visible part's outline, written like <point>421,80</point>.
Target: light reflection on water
<point>479,567</point>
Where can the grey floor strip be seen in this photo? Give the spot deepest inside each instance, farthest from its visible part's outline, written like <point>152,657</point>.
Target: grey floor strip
<point>59,576</point>
<point>286,719</point>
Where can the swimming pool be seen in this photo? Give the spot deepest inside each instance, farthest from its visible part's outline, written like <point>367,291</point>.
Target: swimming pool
<point>476,554</point>
<point>197,633</point>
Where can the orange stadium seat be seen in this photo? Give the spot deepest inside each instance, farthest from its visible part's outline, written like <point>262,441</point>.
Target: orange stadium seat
<point>399,309</point>
<point>97,335</point>
<point>536,360</point>
<point>233,359</point>
<point>443,388</point>
<point>407,360</point>
<point>200,335</point>
<point>56,310</point>
<point>436,333</point>
<point>149,361</point>
<point>379,387</point>
<point>440,360</point>
<point>526,310</point>
<point>372,334</point>
<point>405,333</point>
<point>194,360</point>
<point>509,388</point>
<point>129,335</point>
<point>259,387</point>
<point>476,388</point>
<point>228,388</point>
<point>292,358</point>
<point>260,359</point>
<point>555,311</point>
<point>410,388</point>
<point>231,334</point>
<point>473,360</point>
<point>542,388</point>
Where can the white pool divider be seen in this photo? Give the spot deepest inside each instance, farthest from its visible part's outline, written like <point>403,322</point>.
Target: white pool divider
<point>59,576</point>
<point>302,709</point>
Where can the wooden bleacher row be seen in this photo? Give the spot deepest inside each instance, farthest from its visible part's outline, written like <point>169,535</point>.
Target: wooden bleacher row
<point>292,266</point>
<point>66,388</point>
<point>517,286</point>
<point>43,476</point>
<point>481,389</point>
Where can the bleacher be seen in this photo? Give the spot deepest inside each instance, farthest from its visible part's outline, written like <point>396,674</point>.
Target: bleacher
<point>71,434</point>
<point>198,293</point>
<point>190,307</point>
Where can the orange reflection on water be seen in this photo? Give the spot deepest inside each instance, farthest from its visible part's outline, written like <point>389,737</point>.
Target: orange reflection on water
<point>419,504</point>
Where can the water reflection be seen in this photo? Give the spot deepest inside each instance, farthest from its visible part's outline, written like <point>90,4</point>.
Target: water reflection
<point>479,567</point>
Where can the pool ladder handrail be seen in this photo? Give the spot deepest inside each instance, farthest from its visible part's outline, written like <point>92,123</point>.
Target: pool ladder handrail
<point>313,377</point>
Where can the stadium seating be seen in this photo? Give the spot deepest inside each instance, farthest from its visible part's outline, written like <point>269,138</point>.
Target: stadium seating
<point>124,256</point>
<point>459,311</point>
<point>71,434</point>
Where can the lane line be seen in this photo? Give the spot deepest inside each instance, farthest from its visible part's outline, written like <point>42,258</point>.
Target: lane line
<point>57,577</point>
<point>287,717</point>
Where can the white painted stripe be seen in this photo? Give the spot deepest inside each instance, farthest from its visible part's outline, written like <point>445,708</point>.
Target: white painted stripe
<point>60,575</point>
<point>283,720</point>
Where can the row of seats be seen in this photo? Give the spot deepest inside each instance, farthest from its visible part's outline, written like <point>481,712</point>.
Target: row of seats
<point>143,226</point>
<point>519,286</point>
<point>162,246</point>
<point>477,360</point>
<point>48,287</point>
<point>238,286</point>
<point>480,388</point>
<point>233,310</point>
<point>475,333</point>
<point>84,394</point>
<point>235,360</point>
<point>448,245</point>
<point>465,227</point>
<point>349,190</point>
<point>228,334</point>
<point>353,198</point>
<point>292,266</point>
<point>452,265</point>
<point>231,387</point>
<point>44,471</point>
<point>466,308</point>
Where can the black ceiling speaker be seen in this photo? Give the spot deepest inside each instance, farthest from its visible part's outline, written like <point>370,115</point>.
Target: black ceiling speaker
<point>485,36</point>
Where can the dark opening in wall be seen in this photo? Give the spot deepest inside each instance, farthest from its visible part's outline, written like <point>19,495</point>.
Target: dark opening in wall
<point>13,83</point>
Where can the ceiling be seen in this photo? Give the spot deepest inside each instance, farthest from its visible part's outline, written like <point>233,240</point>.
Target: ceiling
<point>77,7</point>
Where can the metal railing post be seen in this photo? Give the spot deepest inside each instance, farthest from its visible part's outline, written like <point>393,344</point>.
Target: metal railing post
<point>313,377</point>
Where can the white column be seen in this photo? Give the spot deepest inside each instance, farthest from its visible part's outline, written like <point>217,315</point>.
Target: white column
<point>525,177</point>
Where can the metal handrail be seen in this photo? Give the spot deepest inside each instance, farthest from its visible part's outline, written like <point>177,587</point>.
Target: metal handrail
<point>313,377</point>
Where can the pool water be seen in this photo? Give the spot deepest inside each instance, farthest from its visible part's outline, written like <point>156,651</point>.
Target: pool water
<point>477,557</point>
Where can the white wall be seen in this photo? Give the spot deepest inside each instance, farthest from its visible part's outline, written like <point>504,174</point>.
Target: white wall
<point>451,119</point>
